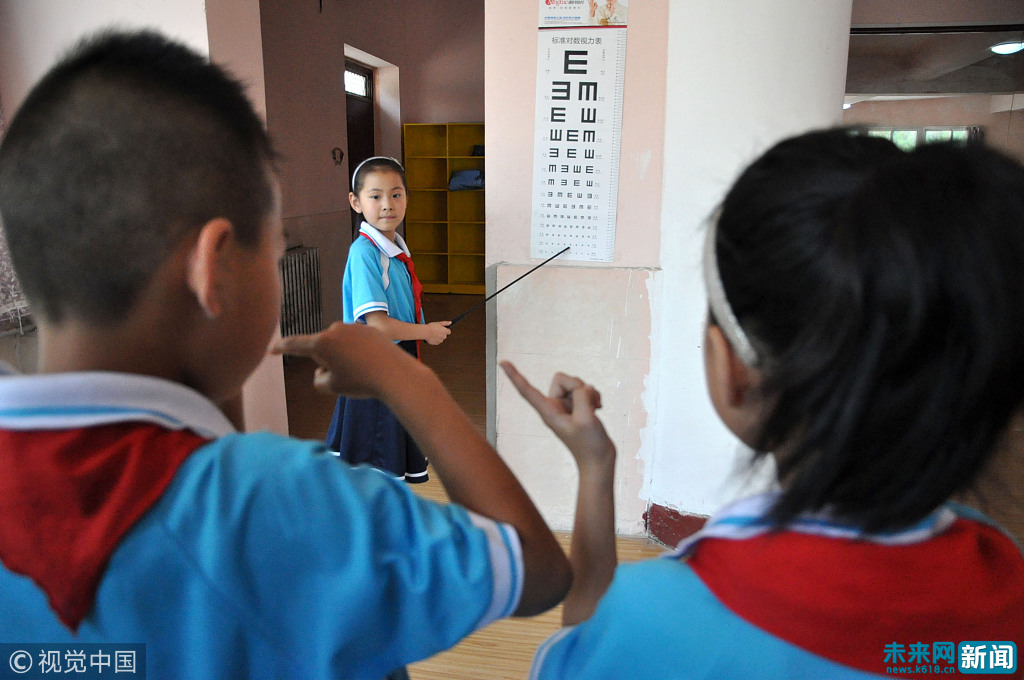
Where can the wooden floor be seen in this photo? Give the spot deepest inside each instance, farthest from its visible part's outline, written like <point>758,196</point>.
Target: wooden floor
<point>503,650</point>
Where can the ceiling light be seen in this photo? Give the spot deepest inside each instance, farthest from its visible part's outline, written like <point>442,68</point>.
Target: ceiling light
<point>1008,47</point>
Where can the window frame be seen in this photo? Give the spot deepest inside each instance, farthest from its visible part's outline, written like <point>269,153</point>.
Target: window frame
<point>364,72</point>
<point>958,133</point>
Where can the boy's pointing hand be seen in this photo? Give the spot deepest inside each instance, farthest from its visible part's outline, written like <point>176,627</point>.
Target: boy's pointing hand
<point>354,360</point>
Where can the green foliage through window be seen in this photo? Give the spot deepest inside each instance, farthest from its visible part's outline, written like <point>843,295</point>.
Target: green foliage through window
<point>908,138</point>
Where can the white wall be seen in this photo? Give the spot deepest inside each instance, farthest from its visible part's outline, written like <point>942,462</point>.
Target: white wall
<point>35,33</point>
<point>708,85</point>
<point>741,76</point>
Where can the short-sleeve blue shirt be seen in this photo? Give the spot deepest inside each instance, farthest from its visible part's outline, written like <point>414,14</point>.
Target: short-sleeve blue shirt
<point>375,280</point>
<point>265,557</point>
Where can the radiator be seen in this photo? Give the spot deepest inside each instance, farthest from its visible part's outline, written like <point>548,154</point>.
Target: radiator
<point>300,306</point>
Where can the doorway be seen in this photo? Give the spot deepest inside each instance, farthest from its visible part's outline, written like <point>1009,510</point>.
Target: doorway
<point>359,92</point>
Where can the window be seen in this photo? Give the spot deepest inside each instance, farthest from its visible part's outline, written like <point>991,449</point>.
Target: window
<point>908,138</point>
<point>358,81</point>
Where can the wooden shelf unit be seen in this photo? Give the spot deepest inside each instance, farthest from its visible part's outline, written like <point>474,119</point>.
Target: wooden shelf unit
<point>444,229</point>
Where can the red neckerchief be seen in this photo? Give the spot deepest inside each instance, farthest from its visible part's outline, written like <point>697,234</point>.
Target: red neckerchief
<point>845,600</point>
<point>68,497</point>
<point>417,287</point>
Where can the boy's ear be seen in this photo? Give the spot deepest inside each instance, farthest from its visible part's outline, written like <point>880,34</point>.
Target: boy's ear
<point>206,262</point>
<point>353,201</point>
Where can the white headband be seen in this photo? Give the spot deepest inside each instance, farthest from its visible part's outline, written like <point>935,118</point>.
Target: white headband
<point>719,304</point>
<point>377,158</point>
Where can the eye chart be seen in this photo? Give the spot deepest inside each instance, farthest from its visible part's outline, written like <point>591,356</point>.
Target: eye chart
<point>580,71</point>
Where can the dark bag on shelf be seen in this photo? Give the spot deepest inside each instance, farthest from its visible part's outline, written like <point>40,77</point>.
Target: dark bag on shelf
<point>466,179</point>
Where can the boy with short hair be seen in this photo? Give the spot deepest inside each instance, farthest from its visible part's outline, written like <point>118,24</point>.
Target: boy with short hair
<point>142,211</point>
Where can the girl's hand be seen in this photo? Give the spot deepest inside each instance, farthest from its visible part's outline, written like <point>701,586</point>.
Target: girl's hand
<point>569,410</point>
<point>437,331</point>
<point>353,359</point>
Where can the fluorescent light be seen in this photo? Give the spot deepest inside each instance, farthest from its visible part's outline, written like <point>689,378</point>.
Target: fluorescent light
<point>847,105</point>
<point>1008,47</point>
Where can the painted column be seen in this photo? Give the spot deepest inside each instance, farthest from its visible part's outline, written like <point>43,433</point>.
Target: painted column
<point>741,77</point>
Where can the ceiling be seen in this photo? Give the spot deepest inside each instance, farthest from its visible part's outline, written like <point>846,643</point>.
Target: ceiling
<point>907,48</point>
<point>933,63</point>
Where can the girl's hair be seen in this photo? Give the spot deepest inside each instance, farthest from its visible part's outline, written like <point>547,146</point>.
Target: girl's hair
<point>375,164</point>
<point>883,294</point>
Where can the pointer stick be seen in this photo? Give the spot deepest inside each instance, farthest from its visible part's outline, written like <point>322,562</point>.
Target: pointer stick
<point>462,316</point>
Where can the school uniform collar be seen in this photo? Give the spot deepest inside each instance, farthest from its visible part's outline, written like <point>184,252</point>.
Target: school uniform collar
<point>747,518</point>
<point>389,247</point>
<point>824,586</point>
<point>57,401</point>
<point>83,457</point>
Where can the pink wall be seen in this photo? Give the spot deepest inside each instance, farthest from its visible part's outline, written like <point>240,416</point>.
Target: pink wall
<point>438,49</point>
<point>511,86</point>
<point>234,33</point>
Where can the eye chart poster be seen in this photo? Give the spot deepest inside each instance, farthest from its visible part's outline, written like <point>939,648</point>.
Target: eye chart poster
<point>580,72</point>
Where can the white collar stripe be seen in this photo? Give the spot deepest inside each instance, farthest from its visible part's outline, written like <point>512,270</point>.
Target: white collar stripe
<point>747,518</point>
<point>46,418</point>
<point>389,248</point>
<point>69,400</point>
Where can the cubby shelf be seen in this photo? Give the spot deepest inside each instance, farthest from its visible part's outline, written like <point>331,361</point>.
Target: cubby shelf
<point>444,229</point>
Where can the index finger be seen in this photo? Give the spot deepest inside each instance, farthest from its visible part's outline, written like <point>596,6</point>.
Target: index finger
<point>299,345</point>
<point>530,393</point>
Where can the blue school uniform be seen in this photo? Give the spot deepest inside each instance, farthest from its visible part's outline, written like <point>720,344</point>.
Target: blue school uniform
<point>365,430</point>
<point>817,600</point>
<point>131,512</point>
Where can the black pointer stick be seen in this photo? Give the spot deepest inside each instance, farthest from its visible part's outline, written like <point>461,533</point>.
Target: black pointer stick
<point>462,316</point>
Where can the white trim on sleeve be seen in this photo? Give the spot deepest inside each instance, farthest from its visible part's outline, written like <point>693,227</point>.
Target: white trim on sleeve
<point>541,654</point>
<point>363,310</point>
<point>506,553</point>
